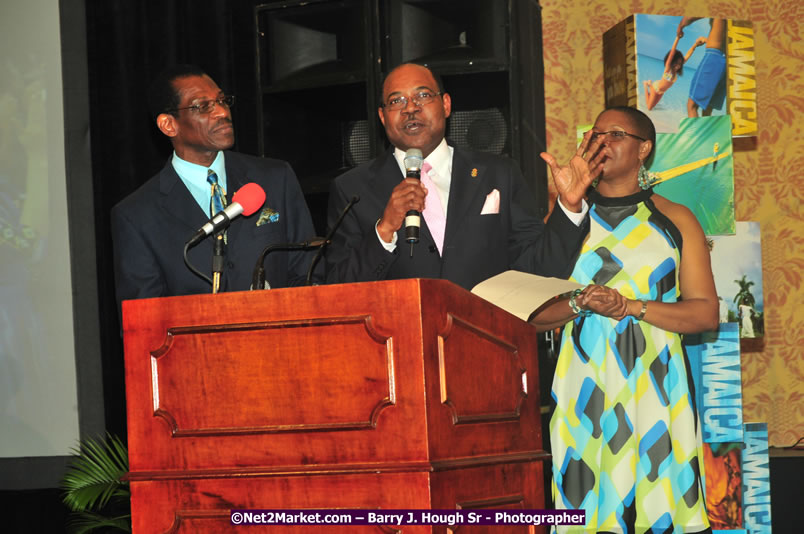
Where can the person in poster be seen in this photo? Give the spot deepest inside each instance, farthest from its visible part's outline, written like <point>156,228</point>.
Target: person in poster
<point>708,88</point>
<point>673,68</point>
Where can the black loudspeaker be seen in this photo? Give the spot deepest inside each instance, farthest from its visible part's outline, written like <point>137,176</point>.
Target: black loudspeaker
<point>450,35</point>
<point>299,48</point>
<point>482,130</point>
<point>307,44</point>
<point>315,69</point>
<point>320,66</point>
<point>357,144</point>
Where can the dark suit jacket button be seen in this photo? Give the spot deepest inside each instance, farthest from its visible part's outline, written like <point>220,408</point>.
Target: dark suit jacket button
<point>432,248</point>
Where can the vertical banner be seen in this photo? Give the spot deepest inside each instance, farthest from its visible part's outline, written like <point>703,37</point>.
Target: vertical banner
<point>715,364</point>
<point>756,480</point>
<point>742,78</point>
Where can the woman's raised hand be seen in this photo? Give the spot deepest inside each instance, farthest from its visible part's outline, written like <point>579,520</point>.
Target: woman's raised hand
<point>573,179</point>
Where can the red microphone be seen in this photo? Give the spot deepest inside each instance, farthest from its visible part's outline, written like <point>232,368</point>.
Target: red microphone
<point>251,197</point>
<point>247,200</point>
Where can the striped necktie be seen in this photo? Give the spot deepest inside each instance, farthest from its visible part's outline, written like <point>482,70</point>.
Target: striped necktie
<point>217,199</point>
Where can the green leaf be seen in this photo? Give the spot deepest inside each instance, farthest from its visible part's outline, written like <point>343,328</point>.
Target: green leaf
<point>93,478</point>
<point>84,522</point>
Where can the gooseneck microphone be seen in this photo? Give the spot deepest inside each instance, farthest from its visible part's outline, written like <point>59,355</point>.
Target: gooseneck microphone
<point>413,169</point>
<point>328,239</point>
<point>258,274</point>
<point>247,200</point>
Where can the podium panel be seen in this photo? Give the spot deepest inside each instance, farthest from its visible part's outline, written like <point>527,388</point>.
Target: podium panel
<point>296,379</point>
<point>397,394</point>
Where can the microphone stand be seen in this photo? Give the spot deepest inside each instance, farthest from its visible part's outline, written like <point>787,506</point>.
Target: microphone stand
<point>246,201</point>
<point>258,276</point>
<point>218,256</point>
<point>328,239</point>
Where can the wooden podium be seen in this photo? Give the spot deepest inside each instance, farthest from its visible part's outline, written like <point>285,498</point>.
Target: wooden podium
<point>382,395</point>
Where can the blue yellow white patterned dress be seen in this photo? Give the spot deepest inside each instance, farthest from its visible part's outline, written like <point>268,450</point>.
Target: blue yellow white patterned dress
<point>625,434</point>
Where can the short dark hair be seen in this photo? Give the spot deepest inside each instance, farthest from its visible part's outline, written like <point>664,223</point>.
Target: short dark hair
<point>437,77</point>
<point>644,126</point>
<point>162,94</point>
<point>676,56</point>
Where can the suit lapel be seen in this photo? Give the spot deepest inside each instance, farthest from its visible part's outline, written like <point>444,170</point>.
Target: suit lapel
<point>235,179</point>
<point>463,189</point>
<point>384,175</point>
<point>177,202</point>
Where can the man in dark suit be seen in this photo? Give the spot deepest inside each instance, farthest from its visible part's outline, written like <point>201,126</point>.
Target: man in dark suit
<point>151,226</point>
<point>490,222</point>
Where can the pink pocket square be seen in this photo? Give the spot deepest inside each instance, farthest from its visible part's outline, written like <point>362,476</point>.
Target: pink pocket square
<point>492,204</point>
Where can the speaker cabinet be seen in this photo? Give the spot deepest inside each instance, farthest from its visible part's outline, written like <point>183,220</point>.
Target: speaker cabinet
<point>448,34</point>
<point>320,66</point>
<point>482,130</point>
<point>315,68</point>
<point>481,111</point>
<point>309,44</point>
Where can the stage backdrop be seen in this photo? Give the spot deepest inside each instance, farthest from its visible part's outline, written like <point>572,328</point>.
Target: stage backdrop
<point>767,173</point>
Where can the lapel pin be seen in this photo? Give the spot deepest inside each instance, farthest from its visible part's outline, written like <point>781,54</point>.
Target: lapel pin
<point>474,173</point>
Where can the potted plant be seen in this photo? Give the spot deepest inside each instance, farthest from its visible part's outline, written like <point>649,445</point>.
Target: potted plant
<point>95,487</point>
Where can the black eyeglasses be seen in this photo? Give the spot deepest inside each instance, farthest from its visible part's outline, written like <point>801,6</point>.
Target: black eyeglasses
<point>422,98</point>
<point>615,135</point>
<point>208,105</point>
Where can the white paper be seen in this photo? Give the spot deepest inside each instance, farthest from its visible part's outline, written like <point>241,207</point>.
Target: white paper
<point>521,293</point>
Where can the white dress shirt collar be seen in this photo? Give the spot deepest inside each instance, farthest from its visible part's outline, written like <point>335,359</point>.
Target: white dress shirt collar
<point>440,159</point>
<point>195,178</point>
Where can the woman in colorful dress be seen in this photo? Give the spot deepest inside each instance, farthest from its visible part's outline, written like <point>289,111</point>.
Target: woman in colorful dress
<point>625,434</point>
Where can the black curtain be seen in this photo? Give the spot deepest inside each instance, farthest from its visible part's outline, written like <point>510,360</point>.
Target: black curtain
<point>128,44</point>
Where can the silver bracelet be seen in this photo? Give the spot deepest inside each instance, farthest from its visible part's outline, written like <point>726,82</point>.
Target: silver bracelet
<point>644,309</point>
<point>574,306</point>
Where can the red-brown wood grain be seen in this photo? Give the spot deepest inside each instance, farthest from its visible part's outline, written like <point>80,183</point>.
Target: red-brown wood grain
<point>397,394</point>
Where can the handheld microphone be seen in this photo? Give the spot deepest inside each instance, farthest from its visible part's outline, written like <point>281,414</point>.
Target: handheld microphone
<point>247,200</point>
<point>413,169</point>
